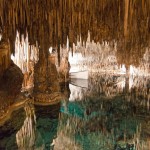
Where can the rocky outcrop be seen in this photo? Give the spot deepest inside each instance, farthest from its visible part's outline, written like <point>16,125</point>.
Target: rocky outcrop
<point>12,80</point>
<point>10,87</point>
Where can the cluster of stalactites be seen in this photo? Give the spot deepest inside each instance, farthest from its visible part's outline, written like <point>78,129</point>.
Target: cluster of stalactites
<point>24,53</point>
<point>54,20</point>
<point>106,57</point>
<point>25,57</point>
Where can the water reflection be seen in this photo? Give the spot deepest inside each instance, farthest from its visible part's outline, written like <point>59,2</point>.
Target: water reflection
<point>25,137</point>
<point>35,127</point>
<point>109,86</point>
<point>47,118</point>
<point>9,129</point>
<point>111,113</point>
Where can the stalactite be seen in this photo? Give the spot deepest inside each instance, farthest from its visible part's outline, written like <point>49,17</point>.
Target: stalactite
<point>106,21</point>
<point>100,58</point>
<point>25,57</point>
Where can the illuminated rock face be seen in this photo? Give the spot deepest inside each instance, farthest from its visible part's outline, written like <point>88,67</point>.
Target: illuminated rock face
<point>46,77</point>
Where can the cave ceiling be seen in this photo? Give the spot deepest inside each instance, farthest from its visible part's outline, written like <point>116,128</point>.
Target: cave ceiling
<point>49,22</point>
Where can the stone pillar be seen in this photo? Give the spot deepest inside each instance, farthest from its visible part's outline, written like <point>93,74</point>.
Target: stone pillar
<point>40,77</point>
<point>53,78</point>
<point>46,83</point>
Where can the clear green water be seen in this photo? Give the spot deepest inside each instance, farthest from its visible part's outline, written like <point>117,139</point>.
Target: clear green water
<point>97,121</point>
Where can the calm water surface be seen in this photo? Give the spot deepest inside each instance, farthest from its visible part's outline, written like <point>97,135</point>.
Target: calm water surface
<point>103,113</point>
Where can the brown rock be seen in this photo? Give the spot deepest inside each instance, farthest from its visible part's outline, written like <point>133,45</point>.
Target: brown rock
<point>12,80</point>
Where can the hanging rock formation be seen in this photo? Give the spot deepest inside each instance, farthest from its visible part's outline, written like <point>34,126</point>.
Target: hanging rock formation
<point>50,22</point>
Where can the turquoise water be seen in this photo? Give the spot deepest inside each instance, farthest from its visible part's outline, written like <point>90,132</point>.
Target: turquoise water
<point>42,130</point>
<point>98,129</point>
<point>112,113</point>
<point>101,117</point>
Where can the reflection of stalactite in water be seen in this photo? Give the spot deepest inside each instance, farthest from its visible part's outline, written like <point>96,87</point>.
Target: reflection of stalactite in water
<point>135,89</point>
<point>25,137</point>
<point>102,125</point>
<point>65,135</point>
<point>138,143</point>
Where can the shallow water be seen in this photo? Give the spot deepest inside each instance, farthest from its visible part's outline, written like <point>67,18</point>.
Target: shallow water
<point>106,115</point>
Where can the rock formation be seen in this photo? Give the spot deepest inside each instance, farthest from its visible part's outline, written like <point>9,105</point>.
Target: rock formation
<point>12,80</point>
<point>11,76</point>
<point>50,22</point>
<point>10,87</point>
